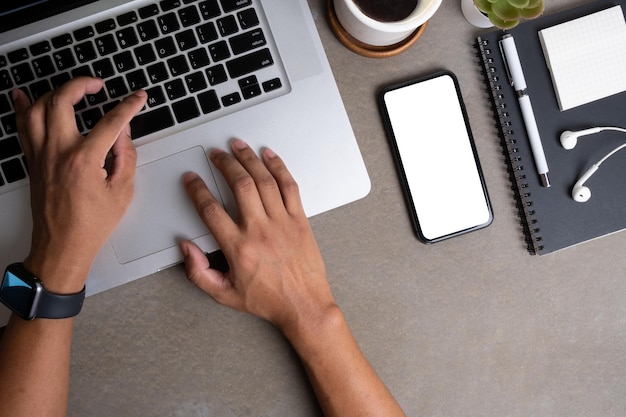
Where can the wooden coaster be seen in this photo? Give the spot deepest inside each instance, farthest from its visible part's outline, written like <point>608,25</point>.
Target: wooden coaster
<point>364,49</point>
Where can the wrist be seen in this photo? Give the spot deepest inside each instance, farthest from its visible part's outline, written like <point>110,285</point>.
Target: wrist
<point>58,276</point>
<point>320,326</point>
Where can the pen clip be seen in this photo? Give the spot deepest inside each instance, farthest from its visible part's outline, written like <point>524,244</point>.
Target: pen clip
<point>506,63</point>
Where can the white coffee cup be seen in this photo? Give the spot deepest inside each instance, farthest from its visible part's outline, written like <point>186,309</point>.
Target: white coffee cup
<point>376,33</point>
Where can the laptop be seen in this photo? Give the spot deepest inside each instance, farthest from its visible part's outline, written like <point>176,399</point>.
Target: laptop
<point>214,70</point>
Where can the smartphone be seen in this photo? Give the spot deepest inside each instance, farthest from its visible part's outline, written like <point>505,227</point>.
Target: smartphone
<point>430,136</point>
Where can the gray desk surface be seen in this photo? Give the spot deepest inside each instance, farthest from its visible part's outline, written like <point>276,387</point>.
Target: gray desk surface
<point>469,327</point>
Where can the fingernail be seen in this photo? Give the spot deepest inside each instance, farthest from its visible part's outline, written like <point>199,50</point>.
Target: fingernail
<point>189,176</point>
<point>239,145</point>
<point>14,94</point>
<point>140,93</point>
<point>214,152</point>
<point>269,154</point>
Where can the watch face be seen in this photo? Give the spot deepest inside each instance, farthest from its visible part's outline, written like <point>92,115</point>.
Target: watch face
<point>17,294</point>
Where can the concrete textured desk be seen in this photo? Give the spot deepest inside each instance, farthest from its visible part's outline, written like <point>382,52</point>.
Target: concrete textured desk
<point>473,326</point>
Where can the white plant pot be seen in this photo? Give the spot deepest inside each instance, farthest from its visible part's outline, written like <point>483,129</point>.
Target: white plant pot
<point>473,15</point>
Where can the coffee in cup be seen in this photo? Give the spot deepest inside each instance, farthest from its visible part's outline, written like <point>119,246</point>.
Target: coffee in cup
<point>387,10</point>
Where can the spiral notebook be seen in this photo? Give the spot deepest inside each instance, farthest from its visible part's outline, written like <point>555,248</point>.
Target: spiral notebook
<point>551,219</point>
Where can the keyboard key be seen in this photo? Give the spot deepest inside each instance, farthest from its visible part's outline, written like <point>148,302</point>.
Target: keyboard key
<point>85,52</point>
<point>43,66</point>
<point>227,25</point>
<point>147,30</point>
<point>189,16</point>
<point>198,58</point>
<point>64,59</point>
<point>247,41</point>
<point>185,110</point>
<point>168,23</point>
<point>209,101</point>
<point>145,54</point>
<point>178,65</point>
<point>175,89</point>
<point>209,9</point>
<point>195,82</point>
<point>60,79</point>
<point>207,32</point>
<point>39,88</point>
<point>216,75</point>
<point>116,87</point>
<point>18,55</point>
<point>157,73</point>
<point>155,96</point>
<point>247,19</point>
<point>248,63</point>
<point>5,80</point>
<point>103,68</point>
<point>3,61</point>
<point>136,80</point>
<point>165,47</point>
<point>167,5</point>
<point>186,40</point>
<point>91,117</point>
<point>105,26</point>
<point>124,61</point>
<point>150,122</point>
<point>106,45</point>
<point>82,71</point>
<point>219,51</point>
<point>231,99</point>
<point>95,99</point>
<point>148,11</point>
<point>8,124</point>
<point>40,48</point>
<point>22,73</point>
<point>84,33</point>
<point>62,40</point>
<point>10,147</point>
<point>5,104</point>
<point>249,87</point>
<point>13,170</point>
<point>230,5</point>
<point>127,18</point>
<point>127,37</point>
<point>272,85</point>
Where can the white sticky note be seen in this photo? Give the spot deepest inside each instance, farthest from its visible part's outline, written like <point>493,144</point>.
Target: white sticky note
<point>587,57</point>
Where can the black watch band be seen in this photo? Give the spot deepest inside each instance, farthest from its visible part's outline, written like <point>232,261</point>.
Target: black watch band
<point>57,306</point>
<point>26,295</point>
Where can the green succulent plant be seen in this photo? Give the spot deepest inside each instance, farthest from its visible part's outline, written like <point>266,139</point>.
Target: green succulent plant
<point>506,14</point>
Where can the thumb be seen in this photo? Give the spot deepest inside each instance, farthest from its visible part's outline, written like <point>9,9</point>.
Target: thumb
<point>199,271</point>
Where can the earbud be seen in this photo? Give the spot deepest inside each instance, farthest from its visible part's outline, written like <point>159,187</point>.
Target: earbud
<point>581,193</point>
<point>570,138</point>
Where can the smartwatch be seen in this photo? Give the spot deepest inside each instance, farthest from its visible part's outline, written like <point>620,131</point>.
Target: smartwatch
<point>25,294</point>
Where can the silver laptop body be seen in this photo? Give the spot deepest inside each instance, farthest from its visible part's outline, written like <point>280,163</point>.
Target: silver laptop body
<point>280,93</point>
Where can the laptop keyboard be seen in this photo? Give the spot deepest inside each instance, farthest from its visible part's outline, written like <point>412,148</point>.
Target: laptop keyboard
<point>197,60</point>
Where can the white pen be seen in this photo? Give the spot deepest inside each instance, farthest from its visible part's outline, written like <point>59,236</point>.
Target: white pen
<point>514,67</point>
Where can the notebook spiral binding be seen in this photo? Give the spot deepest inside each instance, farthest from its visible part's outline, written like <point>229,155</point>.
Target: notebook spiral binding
<point>515,165</point>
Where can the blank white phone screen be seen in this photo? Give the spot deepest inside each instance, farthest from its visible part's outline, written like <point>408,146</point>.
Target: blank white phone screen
<point>434,147</point>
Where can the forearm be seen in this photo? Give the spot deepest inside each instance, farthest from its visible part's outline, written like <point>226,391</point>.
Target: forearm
<point>343,379</point>
<point>34,367</point>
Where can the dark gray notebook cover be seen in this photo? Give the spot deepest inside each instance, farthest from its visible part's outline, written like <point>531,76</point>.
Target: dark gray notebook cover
<point>552,220</point>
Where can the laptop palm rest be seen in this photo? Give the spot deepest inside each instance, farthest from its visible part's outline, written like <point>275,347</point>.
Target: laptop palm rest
<point>161,212</point>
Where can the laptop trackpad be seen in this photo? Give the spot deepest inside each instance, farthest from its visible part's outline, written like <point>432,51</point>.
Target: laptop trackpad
<point>161,212</point>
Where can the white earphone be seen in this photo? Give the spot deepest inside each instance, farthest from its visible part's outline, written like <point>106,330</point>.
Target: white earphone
<point>580,192</point>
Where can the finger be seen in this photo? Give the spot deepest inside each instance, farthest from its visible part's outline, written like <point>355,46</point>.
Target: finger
<point>288,186</point>
<point>266,184</point>
<point>29,125</point>
<point>219,223</point>
<point>112,125</point>
<point>240,182</point>
<point>211,281</point>
<point>60,113</point>
<point>124,160</point>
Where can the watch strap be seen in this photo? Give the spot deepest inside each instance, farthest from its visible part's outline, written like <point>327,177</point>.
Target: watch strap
<point>59,306</point>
